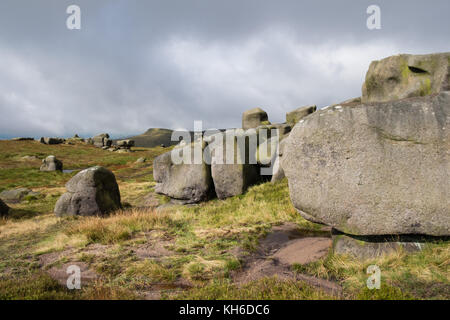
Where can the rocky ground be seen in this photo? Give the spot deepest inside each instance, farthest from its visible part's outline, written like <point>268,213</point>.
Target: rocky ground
<point>251,246</point>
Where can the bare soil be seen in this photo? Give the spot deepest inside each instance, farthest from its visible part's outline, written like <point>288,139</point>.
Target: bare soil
<point>284,246</point>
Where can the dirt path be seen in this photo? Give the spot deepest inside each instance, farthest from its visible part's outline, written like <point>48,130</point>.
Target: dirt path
<point>282,248</point>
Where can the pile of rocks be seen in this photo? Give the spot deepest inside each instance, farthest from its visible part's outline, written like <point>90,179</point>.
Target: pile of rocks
<point>93,191</point>
<point>378,171</point>
<point>22,139</point>
<point>75,139</point>
<point>102,141</point>
<point>122,146</point>
<point>48,140</point>
<point>195,182</point>
<point>51,164</point>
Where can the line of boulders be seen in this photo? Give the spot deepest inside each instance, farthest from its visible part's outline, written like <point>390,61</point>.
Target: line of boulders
<point>122,146</point>
<point>194,182</point>
<point>103,141</point>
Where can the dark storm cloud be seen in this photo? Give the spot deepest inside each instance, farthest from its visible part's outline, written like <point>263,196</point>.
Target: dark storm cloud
<point>140,64</point>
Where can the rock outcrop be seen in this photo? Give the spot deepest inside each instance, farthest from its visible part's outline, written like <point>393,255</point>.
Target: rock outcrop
<point>17,195</point>
<point>188,182</point>
<point>374,169</point>
<point>232,178</point>
<point>4,209</point>
<point>254,118</point>
<point>102,141</point>
<point>50,141</point>
<point>406,76</point>
<point>51,164</point>
<point>93,191</point>
<point>122,146</point>
<point>296,115</point>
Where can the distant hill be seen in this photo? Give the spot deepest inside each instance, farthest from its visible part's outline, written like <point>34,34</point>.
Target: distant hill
<point>153,137</point>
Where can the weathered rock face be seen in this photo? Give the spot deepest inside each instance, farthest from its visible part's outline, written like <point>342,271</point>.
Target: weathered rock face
<point>102,140</point>
<point>51,164</point>
<point>278,172</point>
<point>374,169</point>
<point>190,183</point>
<point>254,118</point>
<point>126,144</point>
<point>93,191</point>
<point>231,179</point>
<point>4,209</point>
<point>296,115</point>
<point>405,76</point>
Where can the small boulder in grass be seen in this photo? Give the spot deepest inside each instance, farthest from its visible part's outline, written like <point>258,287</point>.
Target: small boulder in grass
<point>141,160</point>
<point>16,195</point>
<point>91,192</point>
<point>51,164</point>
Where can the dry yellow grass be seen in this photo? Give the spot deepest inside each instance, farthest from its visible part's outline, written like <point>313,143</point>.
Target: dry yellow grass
<point>121,225</point>
<point>40,223</point>
<point>60,242</point>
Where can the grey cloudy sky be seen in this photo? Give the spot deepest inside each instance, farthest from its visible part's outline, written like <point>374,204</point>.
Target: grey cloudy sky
<point>140,64</point>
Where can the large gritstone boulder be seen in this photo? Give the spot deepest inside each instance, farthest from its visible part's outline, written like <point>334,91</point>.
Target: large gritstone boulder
<point>405,76</point>
<point>188,181</point>
<point>374,169</point>
<point>51,164</point>
<point>93,191</point>
<point>254,118</point>
<point>296,115</point>
<point>234,167</point>
<point>102,140</point>
<point>4,209</point>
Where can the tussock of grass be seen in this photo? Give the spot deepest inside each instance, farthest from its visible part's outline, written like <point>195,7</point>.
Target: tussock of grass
<point>202,269</point>
<point>149,272</point>
<point>102,291</point>
<point>264,289</point>
<point>59,242</point>
<point>264,204</point>
<point>120,226</point>
<point>35,287</point>
<point>10,227</point>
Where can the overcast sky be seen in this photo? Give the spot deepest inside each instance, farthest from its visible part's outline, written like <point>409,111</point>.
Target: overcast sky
<point>141,64</point>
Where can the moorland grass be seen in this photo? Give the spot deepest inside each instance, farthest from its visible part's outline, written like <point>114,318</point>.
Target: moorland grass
<point>201,239</point>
